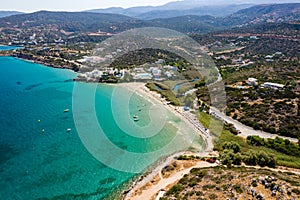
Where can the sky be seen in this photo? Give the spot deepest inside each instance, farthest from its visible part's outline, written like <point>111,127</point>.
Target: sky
<point>73,5</point>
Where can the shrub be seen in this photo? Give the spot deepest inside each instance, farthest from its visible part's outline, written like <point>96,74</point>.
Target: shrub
<point>176,189</point>
<point>250,158</point>
<point>232,146</point>
<point>238,188</point>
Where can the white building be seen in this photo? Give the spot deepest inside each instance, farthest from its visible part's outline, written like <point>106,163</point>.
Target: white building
<point>252,81</point>
<point>273,85</point>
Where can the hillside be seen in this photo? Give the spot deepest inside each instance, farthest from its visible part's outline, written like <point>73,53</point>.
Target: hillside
<point>188,7</point>
<point>8,13</point>
<point>234,183</point>
<point>188,24</point>
<point>114,23</point>
<point>72,21</point>
<point>283,28</point>
<point>149,13</point>
<point>263,13</point>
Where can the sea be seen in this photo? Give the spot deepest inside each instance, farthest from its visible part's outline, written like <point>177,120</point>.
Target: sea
<point>49,149</point>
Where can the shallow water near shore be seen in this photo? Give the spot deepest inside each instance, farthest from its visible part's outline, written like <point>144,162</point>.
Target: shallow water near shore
<point>39,158</point>
<point>6,48</point>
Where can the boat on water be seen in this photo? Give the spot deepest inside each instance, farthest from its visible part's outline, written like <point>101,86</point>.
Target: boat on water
<point>136,118</point>
<point>69,130</point>
<point>66,110</point>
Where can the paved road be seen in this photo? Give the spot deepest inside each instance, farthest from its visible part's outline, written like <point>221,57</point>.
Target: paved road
<point>246,130</point>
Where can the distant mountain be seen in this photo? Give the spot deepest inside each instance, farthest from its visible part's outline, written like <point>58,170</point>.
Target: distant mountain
<point>282,29</point>
<point>189,7</point>
<point>264,13</point>
<point>171,10</point>
<point>72,21</point>
<point>216,11</point>
<point>112,23</point>
<point>131,12</point>
<point>8,13</point>
<point>189,4</point>
<point>76,22</point>
<point>188,24</point>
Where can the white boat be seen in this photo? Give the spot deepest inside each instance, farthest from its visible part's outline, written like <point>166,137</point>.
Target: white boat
<point>136,118</point>
<point>69,130</point>
<point>66,110</point>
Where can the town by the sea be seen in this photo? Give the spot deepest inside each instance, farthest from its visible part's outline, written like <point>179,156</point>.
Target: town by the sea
<point>42,154</point>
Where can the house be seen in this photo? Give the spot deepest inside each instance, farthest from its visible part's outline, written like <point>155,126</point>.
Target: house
<point>272,85</point>
<point>252,82</point>
<point>143,76</point>
<point>160,61</point>
<point>269,56</point>
<point>254,37</point>
<point>168,74</point>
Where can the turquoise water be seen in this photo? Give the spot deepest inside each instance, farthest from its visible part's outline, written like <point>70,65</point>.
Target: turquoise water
<point>6,48</point>
<point>40,159</point>
<point>176,87</point>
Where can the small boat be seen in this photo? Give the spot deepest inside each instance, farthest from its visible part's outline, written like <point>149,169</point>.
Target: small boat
<point>135,118</point>
<point>43,130</point>
<point>69,130</point>
<point>66,110</point>
<point>39,121</point>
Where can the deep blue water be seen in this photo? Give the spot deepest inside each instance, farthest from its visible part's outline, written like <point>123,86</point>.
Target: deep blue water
<point>53,163</point>
<point>40,159</point>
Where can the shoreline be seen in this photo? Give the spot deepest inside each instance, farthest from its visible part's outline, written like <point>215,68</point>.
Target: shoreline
<point>190,119</point>
<point>143,91</point>
<point>37,60</point>
<point>149,174</point>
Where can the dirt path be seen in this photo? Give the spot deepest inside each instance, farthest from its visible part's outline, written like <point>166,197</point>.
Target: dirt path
<point>164,182</point>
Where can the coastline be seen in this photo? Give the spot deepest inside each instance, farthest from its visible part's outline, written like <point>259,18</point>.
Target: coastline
<point>190,119</point>
<point>38,60</point>
<point>149,174</point>
<point>154,97</point>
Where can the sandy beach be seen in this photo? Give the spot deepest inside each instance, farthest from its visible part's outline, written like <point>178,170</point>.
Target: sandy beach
<point>189,118</point>
<point>136,191</point>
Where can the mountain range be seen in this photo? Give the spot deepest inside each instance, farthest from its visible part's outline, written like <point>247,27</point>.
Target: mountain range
<point>114,23</point>
<point>149,13</point>
<point>189,7</point>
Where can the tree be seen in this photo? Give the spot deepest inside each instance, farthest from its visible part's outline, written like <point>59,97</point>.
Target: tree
<point>250,158</point>
<point>228,157</point>
<point>189,100</point>
<point>264,159</point>
<point>235,147</point>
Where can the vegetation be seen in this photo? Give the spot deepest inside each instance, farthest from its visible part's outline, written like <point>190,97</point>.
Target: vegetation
<point>235,182</point>
<point>264,155</point>
<point>281,145</point>
<point>165,92</point>
<point>270,110</point>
